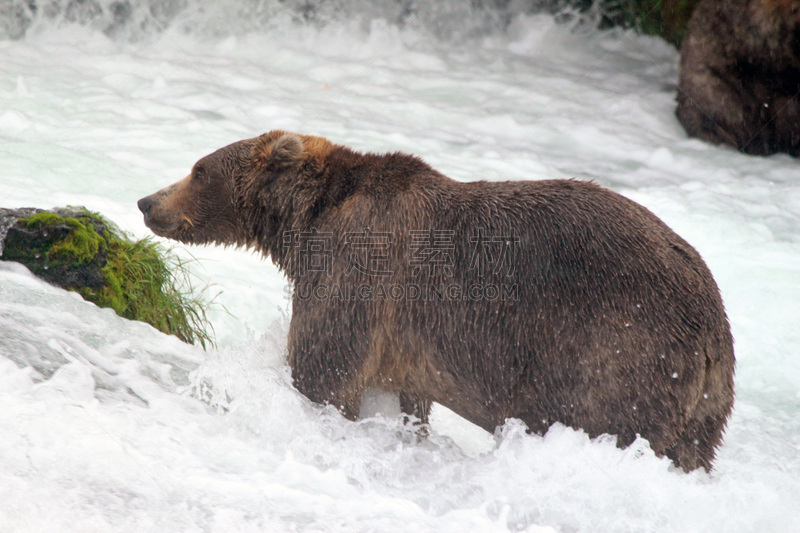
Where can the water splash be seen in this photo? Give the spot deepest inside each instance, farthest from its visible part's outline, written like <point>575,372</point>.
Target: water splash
<point>133,20</point>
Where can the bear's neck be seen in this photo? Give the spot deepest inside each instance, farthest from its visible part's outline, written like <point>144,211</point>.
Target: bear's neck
<point>343,176</point>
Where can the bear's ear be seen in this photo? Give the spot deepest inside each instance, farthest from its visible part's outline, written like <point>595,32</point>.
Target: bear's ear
<point>286,151</point>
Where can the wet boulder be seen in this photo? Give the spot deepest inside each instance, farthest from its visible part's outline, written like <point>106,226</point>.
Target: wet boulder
<point>66,247</point>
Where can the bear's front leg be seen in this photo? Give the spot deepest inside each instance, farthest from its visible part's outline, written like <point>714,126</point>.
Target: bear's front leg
<point>326,350</point>
<point>325,384</point>
<point>417,407</point>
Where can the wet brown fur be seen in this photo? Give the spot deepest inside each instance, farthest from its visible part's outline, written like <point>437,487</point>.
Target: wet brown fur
<point>617,326</point>
<point>740,75</point>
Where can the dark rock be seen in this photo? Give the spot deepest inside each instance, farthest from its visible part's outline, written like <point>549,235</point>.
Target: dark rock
<point>65,248</point>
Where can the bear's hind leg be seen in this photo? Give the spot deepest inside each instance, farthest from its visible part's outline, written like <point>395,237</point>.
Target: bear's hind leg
<point>696,446</point>
<point>697,443</point>
<point>347,399</point>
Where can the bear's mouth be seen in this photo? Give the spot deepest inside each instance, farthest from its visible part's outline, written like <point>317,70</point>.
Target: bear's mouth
<point>171,229</point>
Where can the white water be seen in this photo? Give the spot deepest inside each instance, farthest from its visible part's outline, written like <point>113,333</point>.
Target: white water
<point>102,427</point>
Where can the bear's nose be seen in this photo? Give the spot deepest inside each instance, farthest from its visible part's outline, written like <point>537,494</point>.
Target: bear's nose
<point>145,205</point>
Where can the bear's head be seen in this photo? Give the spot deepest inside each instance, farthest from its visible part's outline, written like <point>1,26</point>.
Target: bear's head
<point>245,194</point>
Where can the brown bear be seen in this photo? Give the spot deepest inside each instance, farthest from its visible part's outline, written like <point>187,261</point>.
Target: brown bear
<point>548,301</point>
<point>740,75</point>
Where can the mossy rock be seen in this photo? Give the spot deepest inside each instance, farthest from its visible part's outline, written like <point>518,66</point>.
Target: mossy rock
<point>80,251</point>
<point>59,248</point>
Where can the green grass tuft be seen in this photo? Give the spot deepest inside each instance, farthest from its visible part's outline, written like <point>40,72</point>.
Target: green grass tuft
<point>147,282</point>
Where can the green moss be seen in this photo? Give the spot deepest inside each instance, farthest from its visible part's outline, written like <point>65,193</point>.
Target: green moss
<point>45,218</point>
<point>80,247</point>
<point>139,280</point>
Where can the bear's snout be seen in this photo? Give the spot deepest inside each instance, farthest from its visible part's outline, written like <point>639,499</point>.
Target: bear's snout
<point>145,206</point>
<point>161,222</point>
